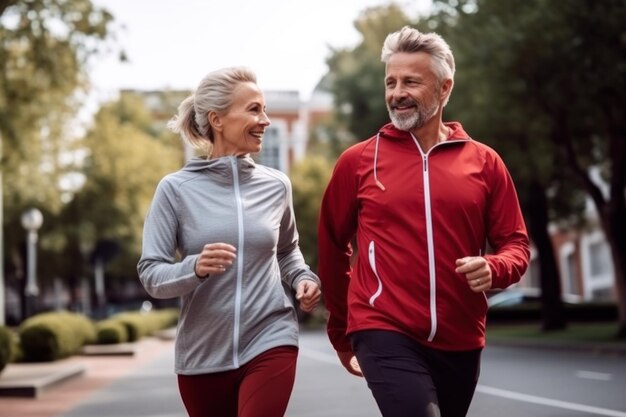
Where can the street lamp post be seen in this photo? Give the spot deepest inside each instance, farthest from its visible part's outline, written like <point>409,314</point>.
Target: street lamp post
<point>85,290</point>
<point>32,219</point>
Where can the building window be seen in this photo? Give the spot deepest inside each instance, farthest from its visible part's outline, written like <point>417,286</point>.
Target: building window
<point>571,274</point>
<point>534,273</point>
<point>270,152</point>
<point>599,259</point>
<point>602,294</point>
<point>569,268</point>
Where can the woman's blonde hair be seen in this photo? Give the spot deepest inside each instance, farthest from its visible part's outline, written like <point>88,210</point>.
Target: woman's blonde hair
<point>214,93</point>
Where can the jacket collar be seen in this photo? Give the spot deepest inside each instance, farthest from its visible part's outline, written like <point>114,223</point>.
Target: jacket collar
<point>221,168</point>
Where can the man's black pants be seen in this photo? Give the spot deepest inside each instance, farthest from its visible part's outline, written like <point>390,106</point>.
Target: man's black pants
<point>408,379</point>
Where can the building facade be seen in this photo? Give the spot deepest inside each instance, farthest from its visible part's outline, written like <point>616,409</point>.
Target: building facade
<point>285,140</point>
<point>583,257</point>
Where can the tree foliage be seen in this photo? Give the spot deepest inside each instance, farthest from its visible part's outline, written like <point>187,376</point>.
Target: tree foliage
<point>555,72</point>
<point>356,75</point>
<point>125,162</point>
<point>486,82</point>
<point>540,81</point>
<point>309,178</point>
<point>45,48</point>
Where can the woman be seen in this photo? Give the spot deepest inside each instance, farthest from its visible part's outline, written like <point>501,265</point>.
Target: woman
<point>232,224</point>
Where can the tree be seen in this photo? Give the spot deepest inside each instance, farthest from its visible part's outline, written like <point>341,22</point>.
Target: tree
<point>482,85</point>
<point>579,80</point>
<point>309,178</point>
<point>45,46</point>
<point>117,166</point>
<point>557,67</point>
<point>126,160</point>
<point>328,137</point>
<point>356,75</point>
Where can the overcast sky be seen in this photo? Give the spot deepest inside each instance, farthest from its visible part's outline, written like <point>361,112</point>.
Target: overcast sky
<point>173,44</point>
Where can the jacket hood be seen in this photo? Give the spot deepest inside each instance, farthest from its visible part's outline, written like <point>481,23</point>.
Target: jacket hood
<point>202,163</point>
<point>222,168</point>
<point>389,131</point>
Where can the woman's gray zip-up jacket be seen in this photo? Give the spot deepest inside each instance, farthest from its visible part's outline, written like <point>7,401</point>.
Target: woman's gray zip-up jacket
<point>226,319</point>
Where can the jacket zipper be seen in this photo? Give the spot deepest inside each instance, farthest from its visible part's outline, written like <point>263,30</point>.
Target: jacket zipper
<point>431,246</point>
<point>240,251</point>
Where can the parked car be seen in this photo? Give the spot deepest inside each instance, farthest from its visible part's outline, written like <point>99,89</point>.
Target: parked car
<point>523,295</point>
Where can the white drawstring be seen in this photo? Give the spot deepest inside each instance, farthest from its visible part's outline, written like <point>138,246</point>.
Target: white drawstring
<point>378,183</point>
<point>372,259</point>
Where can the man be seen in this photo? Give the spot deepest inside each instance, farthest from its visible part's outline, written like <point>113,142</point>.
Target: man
<point>422,199</point>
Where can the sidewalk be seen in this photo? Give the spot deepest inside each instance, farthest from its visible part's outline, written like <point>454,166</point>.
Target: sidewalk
<point>99,372</point>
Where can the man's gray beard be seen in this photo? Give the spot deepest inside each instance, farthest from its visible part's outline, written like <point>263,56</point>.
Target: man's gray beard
<point>414,120</point>
<point>406,123</point>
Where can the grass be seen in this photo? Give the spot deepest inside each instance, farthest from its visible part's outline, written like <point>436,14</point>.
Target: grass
<point>601,333</point>
<point>584,333</point>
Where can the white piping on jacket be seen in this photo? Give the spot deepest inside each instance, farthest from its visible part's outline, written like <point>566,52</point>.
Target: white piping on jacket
<point>378,183</point>
<point>240,250</point>
<point>430,242</point>
<point>372,259</point>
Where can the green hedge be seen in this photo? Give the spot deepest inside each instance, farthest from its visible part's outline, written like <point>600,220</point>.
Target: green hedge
<point>110,332</point>
<point>139,324</point>
<point>55,335</point>
<point>6,346</point>
<point>132,326</point>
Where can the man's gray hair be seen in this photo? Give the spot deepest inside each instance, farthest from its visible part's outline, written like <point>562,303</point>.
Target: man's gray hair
<point>410,40</point>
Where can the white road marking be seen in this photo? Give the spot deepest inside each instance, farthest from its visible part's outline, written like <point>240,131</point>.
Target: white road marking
<point>319,356</point>
<point>549,402</point>
<point>512,395</point>
<point>597,376</point>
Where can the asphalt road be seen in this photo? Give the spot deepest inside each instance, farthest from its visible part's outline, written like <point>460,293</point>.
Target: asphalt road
<point>515,382</point>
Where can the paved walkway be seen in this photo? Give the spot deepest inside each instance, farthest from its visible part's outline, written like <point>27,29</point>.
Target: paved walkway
<point>100,372</point>
<point>144,385</point>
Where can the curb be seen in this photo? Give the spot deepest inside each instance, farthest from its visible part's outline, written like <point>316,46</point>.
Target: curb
<point>121,349</point>
<point>593,348</point>
<point>32,379</point>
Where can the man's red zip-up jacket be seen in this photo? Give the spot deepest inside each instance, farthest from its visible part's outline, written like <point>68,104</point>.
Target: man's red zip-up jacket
<point>414,214</point>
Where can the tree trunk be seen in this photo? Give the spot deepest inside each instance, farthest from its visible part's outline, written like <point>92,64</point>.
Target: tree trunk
<point>614,222</point>
<point>612,211</point>
<point>553,311</point>
<point>615,227</point>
